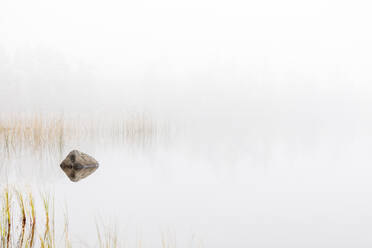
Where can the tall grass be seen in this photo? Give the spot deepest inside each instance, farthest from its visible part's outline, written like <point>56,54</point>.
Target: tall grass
<point>18,220</point>
<point>17,224</point>
<point>23,225</point>
<point>66,231</point>
<point>46,134</point>
<point>107,236</point>
<point>48,239</point>
<point>23,218</point>
<point>35,133</point>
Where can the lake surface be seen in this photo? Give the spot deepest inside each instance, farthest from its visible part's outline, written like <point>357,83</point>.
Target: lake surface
<point>293,182</point>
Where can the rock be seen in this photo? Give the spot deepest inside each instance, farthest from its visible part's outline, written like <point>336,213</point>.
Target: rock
<point>78,165</point>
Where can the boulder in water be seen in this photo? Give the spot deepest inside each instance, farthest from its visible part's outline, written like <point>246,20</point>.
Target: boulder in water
<point>78,165</point>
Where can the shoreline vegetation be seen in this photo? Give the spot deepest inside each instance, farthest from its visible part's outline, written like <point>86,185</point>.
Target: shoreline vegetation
<point>26,224</point>
<point>19,222</point>
<point>28,220</point>
<point>51,133</point>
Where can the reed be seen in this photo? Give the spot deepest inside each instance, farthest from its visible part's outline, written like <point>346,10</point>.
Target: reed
<point>32,221</point>
<point>66,230</point>
<point>18,220</point>
<point>49,235</point>
<point>107,236</point>
<point>7,223</point>
<point>14,219</point>
<point>23,217</point>
<point>168,239</point>
<point>23,226</point>
<point>45,134</point>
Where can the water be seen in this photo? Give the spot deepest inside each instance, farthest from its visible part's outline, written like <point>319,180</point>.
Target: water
<point>259,184</point>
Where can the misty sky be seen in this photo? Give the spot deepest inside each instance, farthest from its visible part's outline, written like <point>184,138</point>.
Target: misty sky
<point>216,56</point>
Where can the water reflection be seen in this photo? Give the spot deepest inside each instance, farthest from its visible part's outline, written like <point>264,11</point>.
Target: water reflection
<point>78,165</point>
<point>32,144</point>
<point>254,185</point>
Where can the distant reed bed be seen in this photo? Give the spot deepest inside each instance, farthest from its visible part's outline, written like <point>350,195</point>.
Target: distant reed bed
<point>50,133</point>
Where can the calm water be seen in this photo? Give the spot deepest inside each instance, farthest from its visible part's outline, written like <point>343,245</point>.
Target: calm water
<point>263,184</point>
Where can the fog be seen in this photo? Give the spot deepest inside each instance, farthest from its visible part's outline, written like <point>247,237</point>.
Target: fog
<point>202,56</point>
<point>269,100</point>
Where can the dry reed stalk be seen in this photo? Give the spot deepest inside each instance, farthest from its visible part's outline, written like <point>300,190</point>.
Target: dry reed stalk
<point>23,218</point>
<point>66,232</point>
<point>139,239</point>
<point>7,214</point>
<point>49,235</point>
<point>107,236</point>
<point>42,242</point>
<point>47,134</point>
<point>32,221</point>
<point>100,243</point>
<point>11,228</point>
<point>168,239</point>
<point>29,237</point>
